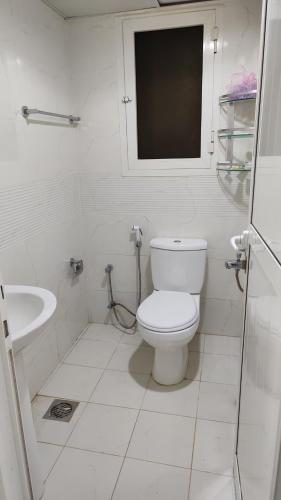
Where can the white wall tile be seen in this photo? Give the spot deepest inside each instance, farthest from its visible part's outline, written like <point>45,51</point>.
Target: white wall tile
<point>46,63</point>
<point>39,196</point>
<point>210,207</point>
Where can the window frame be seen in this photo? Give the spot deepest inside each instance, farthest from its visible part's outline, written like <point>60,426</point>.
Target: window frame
<point>127,26</point>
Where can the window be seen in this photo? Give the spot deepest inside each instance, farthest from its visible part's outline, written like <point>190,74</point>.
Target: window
<point>168,64</point>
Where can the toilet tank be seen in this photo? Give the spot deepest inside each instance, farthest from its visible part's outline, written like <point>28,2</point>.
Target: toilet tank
<point>178,264</point>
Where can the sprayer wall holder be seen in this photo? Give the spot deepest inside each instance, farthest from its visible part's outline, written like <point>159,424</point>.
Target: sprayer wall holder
<point>77,265</point>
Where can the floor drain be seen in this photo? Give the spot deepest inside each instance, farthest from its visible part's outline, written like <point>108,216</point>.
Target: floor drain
<point>61,410</point>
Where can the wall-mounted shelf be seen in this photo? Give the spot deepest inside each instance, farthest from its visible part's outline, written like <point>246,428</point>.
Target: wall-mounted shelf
<point>235,133</point>
<point>232,133</point>
<point>245,96</point>
<point>233,167</point>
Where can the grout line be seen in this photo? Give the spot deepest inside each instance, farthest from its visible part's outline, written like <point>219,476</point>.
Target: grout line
<point>88,450</point>
<point>74,344</point>
<point>130,439</point>
<point>191,417</point>
<point>62,448</point>
<point>213,473</point>
<point>75,425</point>
<point>220,354</point>
<point>111,369</point>
<point>195,426</point>
<point>83,411</point>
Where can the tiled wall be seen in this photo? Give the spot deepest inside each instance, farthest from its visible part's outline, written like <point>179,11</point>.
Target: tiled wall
<point>40,223</point>
<point>210,207</point>
<point>48,170</point>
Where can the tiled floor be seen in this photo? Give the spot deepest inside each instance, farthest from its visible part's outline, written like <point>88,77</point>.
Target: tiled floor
<point>131,438</point>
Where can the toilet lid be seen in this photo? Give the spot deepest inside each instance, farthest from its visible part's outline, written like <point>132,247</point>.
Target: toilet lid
<point>165,311</point>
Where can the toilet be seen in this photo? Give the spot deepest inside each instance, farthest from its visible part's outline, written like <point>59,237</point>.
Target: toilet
<point>168,319</point>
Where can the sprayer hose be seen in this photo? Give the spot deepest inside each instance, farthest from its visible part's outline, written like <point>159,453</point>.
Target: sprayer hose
<point>114,305</point>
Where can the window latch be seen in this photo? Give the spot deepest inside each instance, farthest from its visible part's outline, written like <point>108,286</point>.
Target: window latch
<point>126,99</point>
<point>215,37</point>
<point>6,328</point>
<point>211,147</point>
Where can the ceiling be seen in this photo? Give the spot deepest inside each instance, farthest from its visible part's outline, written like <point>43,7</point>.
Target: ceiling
<point>76,8</point>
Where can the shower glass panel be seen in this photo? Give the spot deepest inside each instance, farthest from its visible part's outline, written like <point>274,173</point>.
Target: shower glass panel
<point>259,429</point>
<point>268,163</point>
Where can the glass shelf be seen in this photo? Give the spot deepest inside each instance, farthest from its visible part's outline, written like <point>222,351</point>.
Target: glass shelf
<point>235,133</point>
<point>245,96</point>
<point>224,166</point>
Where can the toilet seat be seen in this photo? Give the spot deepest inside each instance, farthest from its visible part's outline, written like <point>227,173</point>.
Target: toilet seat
<point>168,311</point>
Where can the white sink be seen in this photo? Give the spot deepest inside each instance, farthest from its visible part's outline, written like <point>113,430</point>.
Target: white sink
<point>28,309</point>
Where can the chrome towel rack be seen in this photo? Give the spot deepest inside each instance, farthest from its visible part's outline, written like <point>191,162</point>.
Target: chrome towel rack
<point>28,111</point>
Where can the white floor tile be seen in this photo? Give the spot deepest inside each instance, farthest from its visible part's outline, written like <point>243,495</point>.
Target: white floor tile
<point>106,333</point>
<point>220,369</point>
<point>206,486</point>
<point>82,475</point>
<point>132,358</point>
<point>149,481</point>
<point>48,455</point>
<point>163,438</point>
<point>197,343</point>
<point>72,382</point>
<point>91,353</point>
<point>180,399</point>
<point>51,431</point>
<point>218,402</point>
<point>135,339</point>
<point>194,366</point>
<point>104,429</point>
<point>220,344</point>
<point>214,447</point>
<point>121,389</point>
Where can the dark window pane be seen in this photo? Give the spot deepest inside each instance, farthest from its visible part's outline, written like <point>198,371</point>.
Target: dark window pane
<point>169,92</point>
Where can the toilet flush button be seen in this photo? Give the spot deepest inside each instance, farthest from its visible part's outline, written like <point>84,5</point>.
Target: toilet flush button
<point>177,241</point>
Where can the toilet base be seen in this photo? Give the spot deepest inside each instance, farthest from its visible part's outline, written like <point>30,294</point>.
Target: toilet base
<point>170,365</point>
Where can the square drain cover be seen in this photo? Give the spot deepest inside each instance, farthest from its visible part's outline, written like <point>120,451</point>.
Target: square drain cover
<point>61,410</point>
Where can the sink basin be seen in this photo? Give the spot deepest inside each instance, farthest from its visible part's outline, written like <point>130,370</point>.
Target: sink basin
<point>28,309</point>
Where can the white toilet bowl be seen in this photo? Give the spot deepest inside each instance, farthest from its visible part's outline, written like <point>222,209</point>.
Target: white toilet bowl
<point>168,321</point>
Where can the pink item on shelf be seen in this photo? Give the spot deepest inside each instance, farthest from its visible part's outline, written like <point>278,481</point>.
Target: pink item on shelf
<point>242,83</point>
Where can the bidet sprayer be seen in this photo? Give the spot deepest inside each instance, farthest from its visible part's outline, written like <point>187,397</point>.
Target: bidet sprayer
<point>138,232</point>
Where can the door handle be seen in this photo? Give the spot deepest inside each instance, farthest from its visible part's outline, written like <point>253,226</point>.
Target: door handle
<point>237,264</point>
